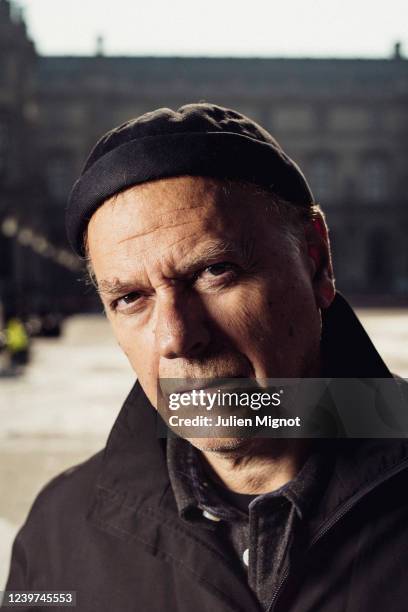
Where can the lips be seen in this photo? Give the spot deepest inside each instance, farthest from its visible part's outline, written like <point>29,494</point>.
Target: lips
<point>205,384</point>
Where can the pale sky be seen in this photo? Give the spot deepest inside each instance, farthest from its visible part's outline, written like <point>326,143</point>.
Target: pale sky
<point>342,28</point>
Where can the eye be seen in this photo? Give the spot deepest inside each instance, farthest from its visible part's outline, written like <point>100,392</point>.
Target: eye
<point>130,297</point>
<point>219,268</point>
<point>217,275</point>
<point>125,300</point>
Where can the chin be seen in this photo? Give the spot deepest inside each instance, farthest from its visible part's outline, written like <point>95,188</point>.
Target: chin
<point>225,446</point>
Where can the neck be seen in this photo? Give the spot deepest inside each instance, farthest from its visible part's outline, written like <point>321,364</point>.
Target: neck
<point>259,466</point>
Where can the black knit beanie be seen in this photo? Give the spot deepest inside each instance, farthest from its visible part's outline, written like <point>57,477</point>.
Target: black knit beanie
<point>198,140</point>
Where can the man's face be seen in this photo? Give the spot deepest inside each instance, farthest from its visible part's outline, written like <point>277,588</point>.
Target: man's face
<point>198,283</point>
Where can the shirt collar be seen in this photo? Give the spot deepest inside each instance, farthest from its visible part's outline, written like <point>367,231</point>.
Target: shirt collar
<point>195,492</point>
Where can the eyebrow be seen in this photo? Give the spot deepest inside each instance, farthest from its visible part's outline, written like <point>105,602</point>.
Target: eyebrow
<point>115,287</point>
<point>213,250</point>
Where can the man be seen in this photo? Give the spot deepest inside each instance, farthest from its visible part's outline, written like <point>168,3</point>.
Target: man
<point>212,261</point>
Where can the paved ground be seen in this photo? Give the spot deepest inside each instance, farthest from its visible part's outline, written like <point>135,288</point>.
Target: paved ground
<point>56,415</point>
<point>60,412</point>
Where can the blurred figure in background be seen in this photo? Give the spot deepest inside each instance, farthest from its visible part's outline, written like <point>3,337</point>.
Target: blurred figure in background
<point>16,343</point>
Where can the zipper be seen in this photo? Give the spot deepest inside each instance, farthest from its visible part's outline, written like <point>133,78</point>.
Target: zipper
<point>329,524</point>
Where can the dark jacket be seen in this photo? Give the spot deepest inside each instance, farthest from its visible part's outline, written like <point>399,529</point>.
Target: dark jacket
<point>109,528</point>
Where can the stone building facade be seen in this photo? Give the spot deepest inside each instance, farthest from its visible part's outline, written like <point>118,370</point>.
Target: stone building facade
<point>36,269</point>
<point>345,121</point>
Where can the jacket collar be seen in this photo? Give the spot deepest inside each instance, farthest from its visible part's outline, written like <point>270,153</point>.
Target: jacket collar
<point>347,351</point>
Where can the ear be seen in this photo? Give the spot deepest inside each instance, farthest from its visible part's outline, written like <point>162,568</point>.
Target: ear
<point>318,252</point>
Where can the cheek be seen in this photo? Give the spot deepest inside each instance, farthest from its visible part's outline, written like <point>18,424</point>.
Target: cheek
<point>275,325</point>
<point>292,328</point>
<point>138,347</point>
<point>242,316</point>
<point>237,310</point>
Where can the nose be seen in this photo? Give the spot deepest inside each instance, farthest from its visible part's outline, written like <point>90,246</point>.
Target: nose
<point>180,327</point>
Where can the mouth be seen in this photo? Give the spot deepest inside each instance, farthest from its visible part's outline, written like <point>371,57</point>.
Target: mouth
<point>188,385</point>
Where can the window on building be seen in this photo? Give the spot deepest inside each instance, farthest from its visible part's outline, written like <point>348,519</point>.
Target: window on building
<point>294,119</point>
<point>350,119</point>
<point>59,175</point>
<point>375,179</point>
<point>321,176</point>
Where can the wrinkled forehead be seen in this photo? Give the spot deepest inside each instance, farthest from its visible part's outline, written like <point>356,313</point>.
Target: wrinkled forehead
<point>166,209</point>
